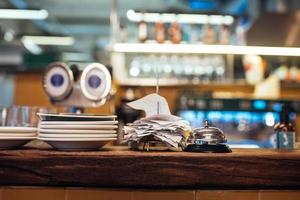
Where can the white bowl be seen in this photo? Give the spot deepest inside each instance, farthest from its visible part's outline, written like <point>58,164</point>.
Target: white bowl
<point>77,144</point>
<point>14,142</point>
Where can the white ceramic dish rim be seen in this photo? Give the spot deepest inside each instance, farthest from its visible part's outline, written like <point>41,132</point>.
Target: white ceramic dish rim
<point>19,129</point>
<point>18,134</point>
<point>74,131</point>
<point>17,138</point>
<point>78,135</point>
<point>78,126</point>
<point>78,122</point>
<point>77,115</point>
<point>77,139</point>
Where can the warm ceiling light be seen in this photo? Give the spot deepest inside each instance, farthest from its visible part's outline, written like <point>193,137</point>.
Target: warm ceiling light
<point>181,18</point>
<point>49,40</point>
<point>23,14</point>
<point>202,48</point>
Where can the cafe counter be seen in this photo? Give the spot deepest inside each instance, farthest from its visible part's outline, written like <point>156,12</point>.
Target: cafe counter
<point>118,173</point>
<point>116,167</point>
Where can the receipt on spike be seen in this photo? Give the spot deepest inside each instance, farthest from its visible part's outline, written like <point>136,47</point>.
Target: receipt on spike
<point>152,104</point>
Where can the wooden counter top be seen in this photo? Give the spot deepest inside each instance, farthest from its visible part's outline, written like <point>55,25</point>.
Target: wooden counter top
<point>242,169</point>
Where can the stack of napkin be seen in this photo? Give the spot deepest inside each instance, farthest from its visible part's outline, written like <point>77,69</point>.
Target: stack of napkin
<point>158,124</point>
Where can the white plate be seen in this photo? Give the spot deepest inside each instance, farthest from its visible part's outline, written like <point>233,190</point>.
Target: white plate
<point>77,145</point>
<point>74,117</point>
<point>77,135</point>
<point>12,143</point>
<point>17,135</point>
<point>78,122</point>
<point>73,127</point>
<point>13,129</point>
<point>17,138</point>
<point>77,139</point>
<point>62,131</point>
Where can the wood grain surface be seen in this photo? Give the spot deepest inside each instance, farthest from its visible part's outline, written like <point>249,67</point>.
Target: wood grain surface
<point>242,169</point>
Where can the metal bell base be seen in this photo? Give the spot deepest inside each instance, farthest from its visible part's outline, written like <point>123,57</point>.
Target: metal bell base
<point>208,148</point>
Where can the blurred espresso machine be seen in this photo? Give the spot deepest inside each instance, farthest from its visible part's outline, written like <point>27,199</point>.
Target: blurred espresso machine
<point>77,85</point>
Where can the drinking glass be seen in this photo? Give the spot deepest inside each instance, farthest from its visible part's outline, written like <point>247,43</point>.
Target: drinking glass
<point>3,113</point>
<point>22,116</point>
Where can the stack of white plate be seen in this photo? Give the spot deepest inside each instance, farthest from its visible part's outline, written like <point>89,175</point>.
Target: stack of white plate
<point>14,137</point>
<point>77,131</point>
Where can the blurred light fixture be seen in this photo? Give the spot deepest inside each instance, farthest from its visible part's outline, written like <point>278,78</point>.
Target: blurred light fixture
<point>32,47</point>
<point>9,36</point>
<point>270,119</point>
<point>202,48</point>
<point>180,18</point>
<point>23,14</point>
<point>49,40</point>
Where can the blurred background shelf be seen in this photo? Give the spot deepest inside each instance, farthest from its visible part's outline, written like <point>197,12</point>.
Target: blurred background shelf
<point>290,85</point>
<point>151,82</point>
<point>169,48</point>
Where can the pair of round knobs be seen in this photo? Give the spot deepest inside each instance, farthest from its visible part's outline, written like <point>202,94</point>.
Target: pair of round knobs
<point>94,81</point>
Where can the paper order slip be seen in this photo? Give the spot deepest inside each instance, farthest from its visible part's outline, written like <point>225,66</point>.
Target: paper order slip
<point>151,104</point>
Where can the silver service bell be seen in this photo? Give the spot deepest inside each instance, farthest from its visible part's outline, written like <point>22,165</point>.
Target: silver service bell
<point>207,139</point>
<point>208,135</point>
